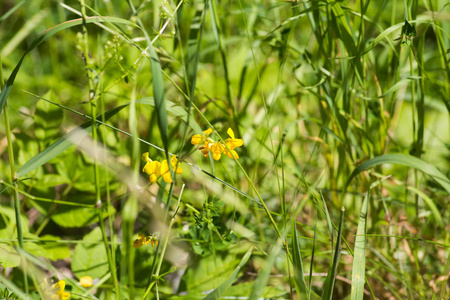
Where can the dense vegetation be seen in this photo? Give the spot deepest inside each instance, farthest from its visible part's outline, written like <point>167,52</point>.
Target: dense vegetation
<point>224,149</point>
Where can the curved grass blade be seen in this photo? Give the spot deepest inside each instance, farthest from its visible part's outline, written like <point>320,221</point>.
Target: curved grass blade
<point>406,160</point>
<point>300,283</point>
<point>430,204</point>
<point>42,38</point>
<point>331,277</point>
<point>359,257</point>
<point>220,291</point>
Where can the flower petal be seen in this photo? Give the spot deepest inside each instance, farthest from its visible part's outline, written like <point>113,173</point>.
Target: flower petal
<point>153,178</point>
<point>164,167</point>
<point>230,133</point>
<point>196,139</point>
<point>208,131</point>
<point>167,177</point>
<point>152,167</point>
<point>232,153</point>
<point>237,143</point>
<point>144,157</point>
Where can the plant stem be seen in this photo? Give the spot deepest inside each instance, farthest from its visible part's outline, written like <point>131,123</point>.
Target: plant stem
<point>88,66</point>
<point>14,183</point>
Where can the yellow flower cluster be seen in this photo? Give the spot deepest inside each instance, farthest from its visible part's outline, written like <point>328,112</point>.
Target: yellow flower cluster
<point>217,148</point>
<point>156,169</point>
<point>58,291</point>
<point>144,240</point>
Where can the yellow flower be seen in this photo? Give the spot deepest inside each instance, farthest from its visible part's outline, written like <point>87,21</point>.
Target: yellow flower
<point>59,293</point>
<point>205,149</point>
<point>143,240</point>
<point>165,171</point>
<point>153,168</point>
<point>198,139</point>
<point>86,281</point>
<point>232,143</point>
<point>140,241</point>
<point>156,169</point>
<point>217,150</point>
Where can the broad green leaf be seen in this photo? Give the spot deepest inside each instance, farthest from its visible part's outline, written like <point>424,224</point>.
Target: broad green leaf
<point>220,291</point>
<point>55,250</point>
<point>359,257</point>
<point>89,258</point>
<point>406,160</point>
<point>71,216</point>
<point>47,118</point>
<point>63,144</point>
<point>35,249</point>
<point>208,273</point>
<point>8,256</point>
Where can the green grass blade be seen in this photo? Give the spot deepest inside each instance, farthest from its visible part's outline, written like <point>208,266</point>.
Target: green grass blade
<point>12,10</point>
<point>42,38</point>
<point>331,277</point>
<point>430,204</point>
<point>405,160</point>
<point>313,251</point>
<point>63,144</point>
<point>158,94</point>
<point>329,222</point>
<point>193,49</point>
<point>300,283</point>
<point>359,257</point>
<point>220,291</point>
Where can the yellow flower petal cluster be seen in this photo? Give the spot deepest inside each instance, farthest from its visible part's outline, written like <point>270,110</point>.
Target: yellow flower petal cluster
<point>86,281</point>
<point>155,169</point>
<point>58,291</point>
<point>144,240</point>
<point>217,148</point>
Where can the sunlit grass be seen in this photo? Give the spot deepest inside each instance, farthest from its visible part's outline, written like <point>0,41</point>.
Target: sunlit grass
<point>323,164</point>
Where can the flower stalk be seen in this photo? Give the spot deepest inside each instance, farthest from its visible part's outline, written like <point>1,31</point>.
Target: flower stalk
<point>14,181</point>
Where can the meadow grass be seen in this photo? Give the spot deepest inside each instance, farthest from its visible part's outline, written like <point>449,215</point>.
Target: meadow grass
<point>224,150</point>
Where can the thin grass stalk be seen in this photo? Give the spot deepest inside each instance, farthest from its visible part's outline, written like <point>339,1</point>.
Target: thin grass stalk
<point>106,171</point>
<point>16,201</point>
<point>87,61</point>
<point>108,199</point>
<point>164,247</point>
<point>218,35</point>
